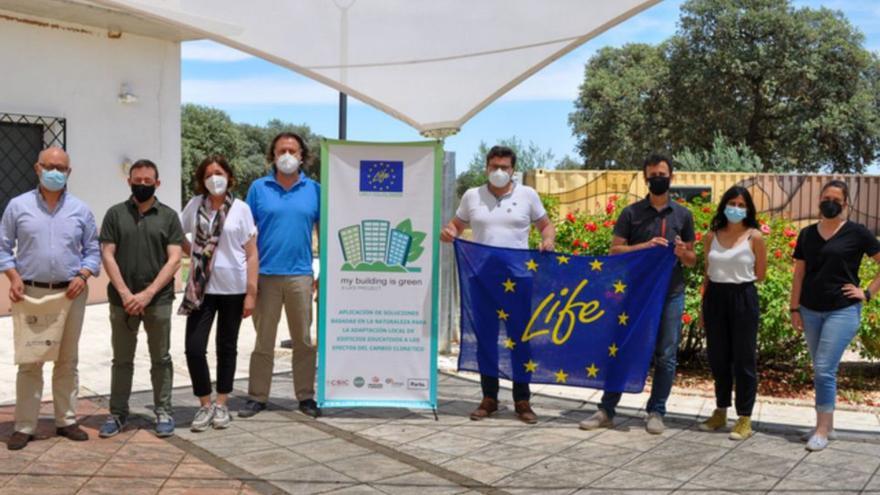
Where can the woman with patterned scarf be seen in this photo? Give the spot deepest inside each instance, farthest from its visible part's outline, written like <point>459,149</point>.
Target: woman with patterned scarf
<point>221,243</point>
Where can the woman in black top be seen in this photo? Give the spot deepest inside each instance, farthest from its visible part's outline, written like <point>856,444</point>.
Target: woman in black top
<point>826,299</point>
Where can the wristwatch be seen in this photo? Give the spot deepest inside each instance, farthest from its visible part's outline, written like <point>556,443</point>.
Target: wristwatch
<point>867,295</point>
<point>83,277</point>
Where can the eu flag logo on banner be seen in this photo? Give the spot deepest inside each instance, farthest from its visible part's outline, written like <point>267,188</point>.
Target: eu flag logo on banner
<point>551,318</point>
<point>381,176</point>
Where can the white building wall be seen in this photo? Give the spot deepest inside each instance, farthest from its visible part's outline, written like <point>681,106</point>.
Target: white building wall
<point>66,73</point>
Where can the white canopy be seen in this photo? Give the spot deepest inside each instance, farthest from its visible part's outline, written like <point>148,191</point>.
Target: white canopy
<point>431,63</point>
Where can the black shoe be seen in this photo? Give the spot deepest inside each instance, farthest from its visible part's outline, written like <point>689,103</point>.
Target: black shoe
<point>310,408</point>
<point>251,408</point>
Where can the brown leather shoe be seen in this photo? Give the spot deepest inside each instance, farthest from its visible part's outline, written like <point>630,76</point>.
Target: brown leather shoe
<point>525,413</point>
<point>73,432</point>
<point>18,441</point>
<point>485,409</point>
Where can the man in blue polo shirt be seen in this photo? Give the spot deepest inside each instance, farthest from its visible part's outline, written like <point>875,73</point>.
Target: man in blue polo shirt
<point>285,205</point>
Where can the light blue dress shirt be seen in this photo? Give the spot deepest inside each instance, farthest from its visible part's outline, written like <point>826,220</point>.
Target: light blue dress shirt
<point>48,246</point>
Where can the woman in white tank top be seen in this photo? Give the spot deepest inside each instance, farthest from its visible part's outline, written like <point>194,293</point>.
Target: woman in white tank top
<point>736,258</point>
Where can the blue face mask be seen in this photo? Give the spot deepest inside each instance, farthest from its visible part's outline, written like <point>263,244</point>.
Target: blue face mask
<point>734,214</point>
<point>53,180</point>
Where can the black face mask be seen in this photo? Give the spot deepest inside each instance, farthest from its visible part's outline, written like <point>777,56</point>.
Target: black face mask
<point>142,193</point>
<point>658,185</point>
<point>830,209</point>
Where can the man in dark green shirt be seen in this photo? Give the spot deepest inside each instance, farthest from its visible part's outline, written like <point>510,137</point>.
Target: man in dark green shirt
<point>141,248</point>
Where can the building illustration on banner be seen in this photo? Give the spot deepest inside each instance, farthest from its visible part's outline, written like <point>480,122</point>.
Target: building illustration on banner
<point>373,246</point>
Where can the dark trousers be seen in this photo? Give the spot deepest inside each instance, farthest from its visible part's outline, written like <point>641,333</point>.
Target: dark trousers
<point>490,388</point>
<point>730,315</point>
<point>228,309</point>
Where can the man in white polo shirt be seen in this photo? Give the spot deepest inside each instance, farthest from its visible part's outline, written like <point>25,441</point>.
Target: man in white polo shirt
<point>500,214</point>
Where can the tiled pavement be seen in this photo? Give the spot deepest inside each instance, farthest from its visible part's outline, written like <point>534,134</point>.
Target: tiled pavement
<point>402,452</point>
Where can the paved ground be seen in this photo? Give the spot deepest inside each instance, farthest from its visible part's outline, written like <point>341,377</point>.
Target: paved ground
<point>402,452</point>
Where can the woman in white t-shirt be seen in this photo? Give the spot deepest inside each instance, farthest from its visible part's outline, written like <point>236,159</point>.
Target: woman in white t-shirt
<point>736,258</point>
<point>221,242</point>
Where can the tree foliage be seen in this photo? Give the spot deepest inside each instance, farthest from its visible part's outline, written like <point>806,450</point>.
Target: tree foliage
<point>206,131</point>
<point>723,156</point>
<point>794,85</point>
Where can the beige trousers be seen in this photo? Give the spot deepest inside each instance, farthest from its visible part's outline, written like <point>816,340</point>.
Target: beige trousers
<point>65,380</point>
<point>294,294</point>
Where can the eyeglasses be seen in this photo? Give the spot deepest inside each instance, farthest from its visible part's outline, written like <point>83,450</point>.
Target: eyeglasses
<point>54,166</point>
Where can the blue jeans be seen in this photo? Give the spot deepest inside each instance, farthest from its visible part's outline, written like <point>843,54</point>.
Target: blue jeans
<point>665,359</point>
<point>828,333</point>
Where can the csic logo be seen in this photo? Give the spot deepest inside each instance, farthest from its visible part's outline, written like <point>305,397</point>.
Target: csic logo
<point>359,382</point>
<point>417,384</point>
<point>340,383</point>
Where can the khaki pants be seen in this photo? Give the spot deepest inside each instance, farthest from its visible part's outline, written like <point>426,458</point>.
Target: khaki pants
<point>294,293</point>
<point>65,380</point>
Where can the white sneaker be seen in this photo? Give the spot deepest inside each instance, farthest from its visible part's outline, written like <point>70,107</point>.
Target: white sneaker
<point>222,419</point>
<point>807,435</point>
<point>655,424</point>
<point>817,443</point>
<point>203,419</point>
<point>599,419</point>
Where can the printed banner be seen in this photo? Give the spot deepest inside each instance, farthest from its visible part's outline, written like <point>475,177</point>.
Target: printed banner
<point>377,323</point>
<point>551,318</point>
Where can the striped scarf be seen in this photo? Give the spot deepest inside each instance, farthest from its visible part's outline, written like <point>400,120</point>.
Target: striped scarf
<point>204,246</point>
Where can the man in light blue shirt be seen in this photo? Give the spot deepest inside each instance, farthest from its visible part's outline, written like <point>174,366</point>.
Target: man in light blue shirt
<point>48,245</point>
<point>286,208</point>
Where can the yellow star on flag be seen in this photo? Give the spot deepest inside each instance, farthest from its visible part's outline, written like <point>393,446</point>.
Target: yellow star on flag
<point>502,315</point>
<point>612,350</point>
<point>509,343</point>
<point>531,265</point>
<point>592,371</point>
<point>596,266</point>
<point>622,318</point>
<point>530,366</point>
<point>563,260</point>
<point>509,285</point>
<point>561,376</point>
<point>619,287</point>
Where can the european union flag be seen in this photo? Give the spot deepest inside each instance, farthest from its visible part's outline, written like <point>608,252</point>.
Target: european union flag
<point>381,176</point>
<point>551,318</point>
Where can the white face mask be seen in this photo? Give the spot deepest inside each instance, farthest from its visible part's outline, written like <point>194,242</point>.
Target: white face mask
<point>216,184</point>
<point>287,164</point>
<point>499,178</point>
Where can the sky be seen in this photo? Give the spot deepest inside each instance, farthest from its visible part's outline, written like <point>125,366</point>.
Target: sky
<point>254,91</point>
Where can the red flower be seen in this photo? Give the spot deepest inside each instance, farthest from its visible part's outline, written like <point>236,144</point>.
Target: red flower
<point>570,217</point>
<point>699,236</point>
<point>704,194</point>
<point>778,253</point>
<point>613,197</point>
<point>590,226</point>
<point>609,208</point>
<point>765,228</point>
<point>705,225</point>
<point>575,243</point>
<point>608,224</point>
<point>686,319</point>
<point>788,232</point>
<point>792,244</point>
<point>680,201</point>
<point>576,252</point>
<point>706,209</point>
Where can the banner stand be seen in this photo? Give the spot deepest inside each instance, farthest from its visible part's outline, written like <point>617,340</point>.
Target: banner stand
<point>379,247</point>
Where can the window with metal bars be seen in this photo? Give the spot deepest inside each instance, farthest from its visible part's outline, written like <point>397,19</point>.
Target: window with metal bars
<point>22,137</point>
